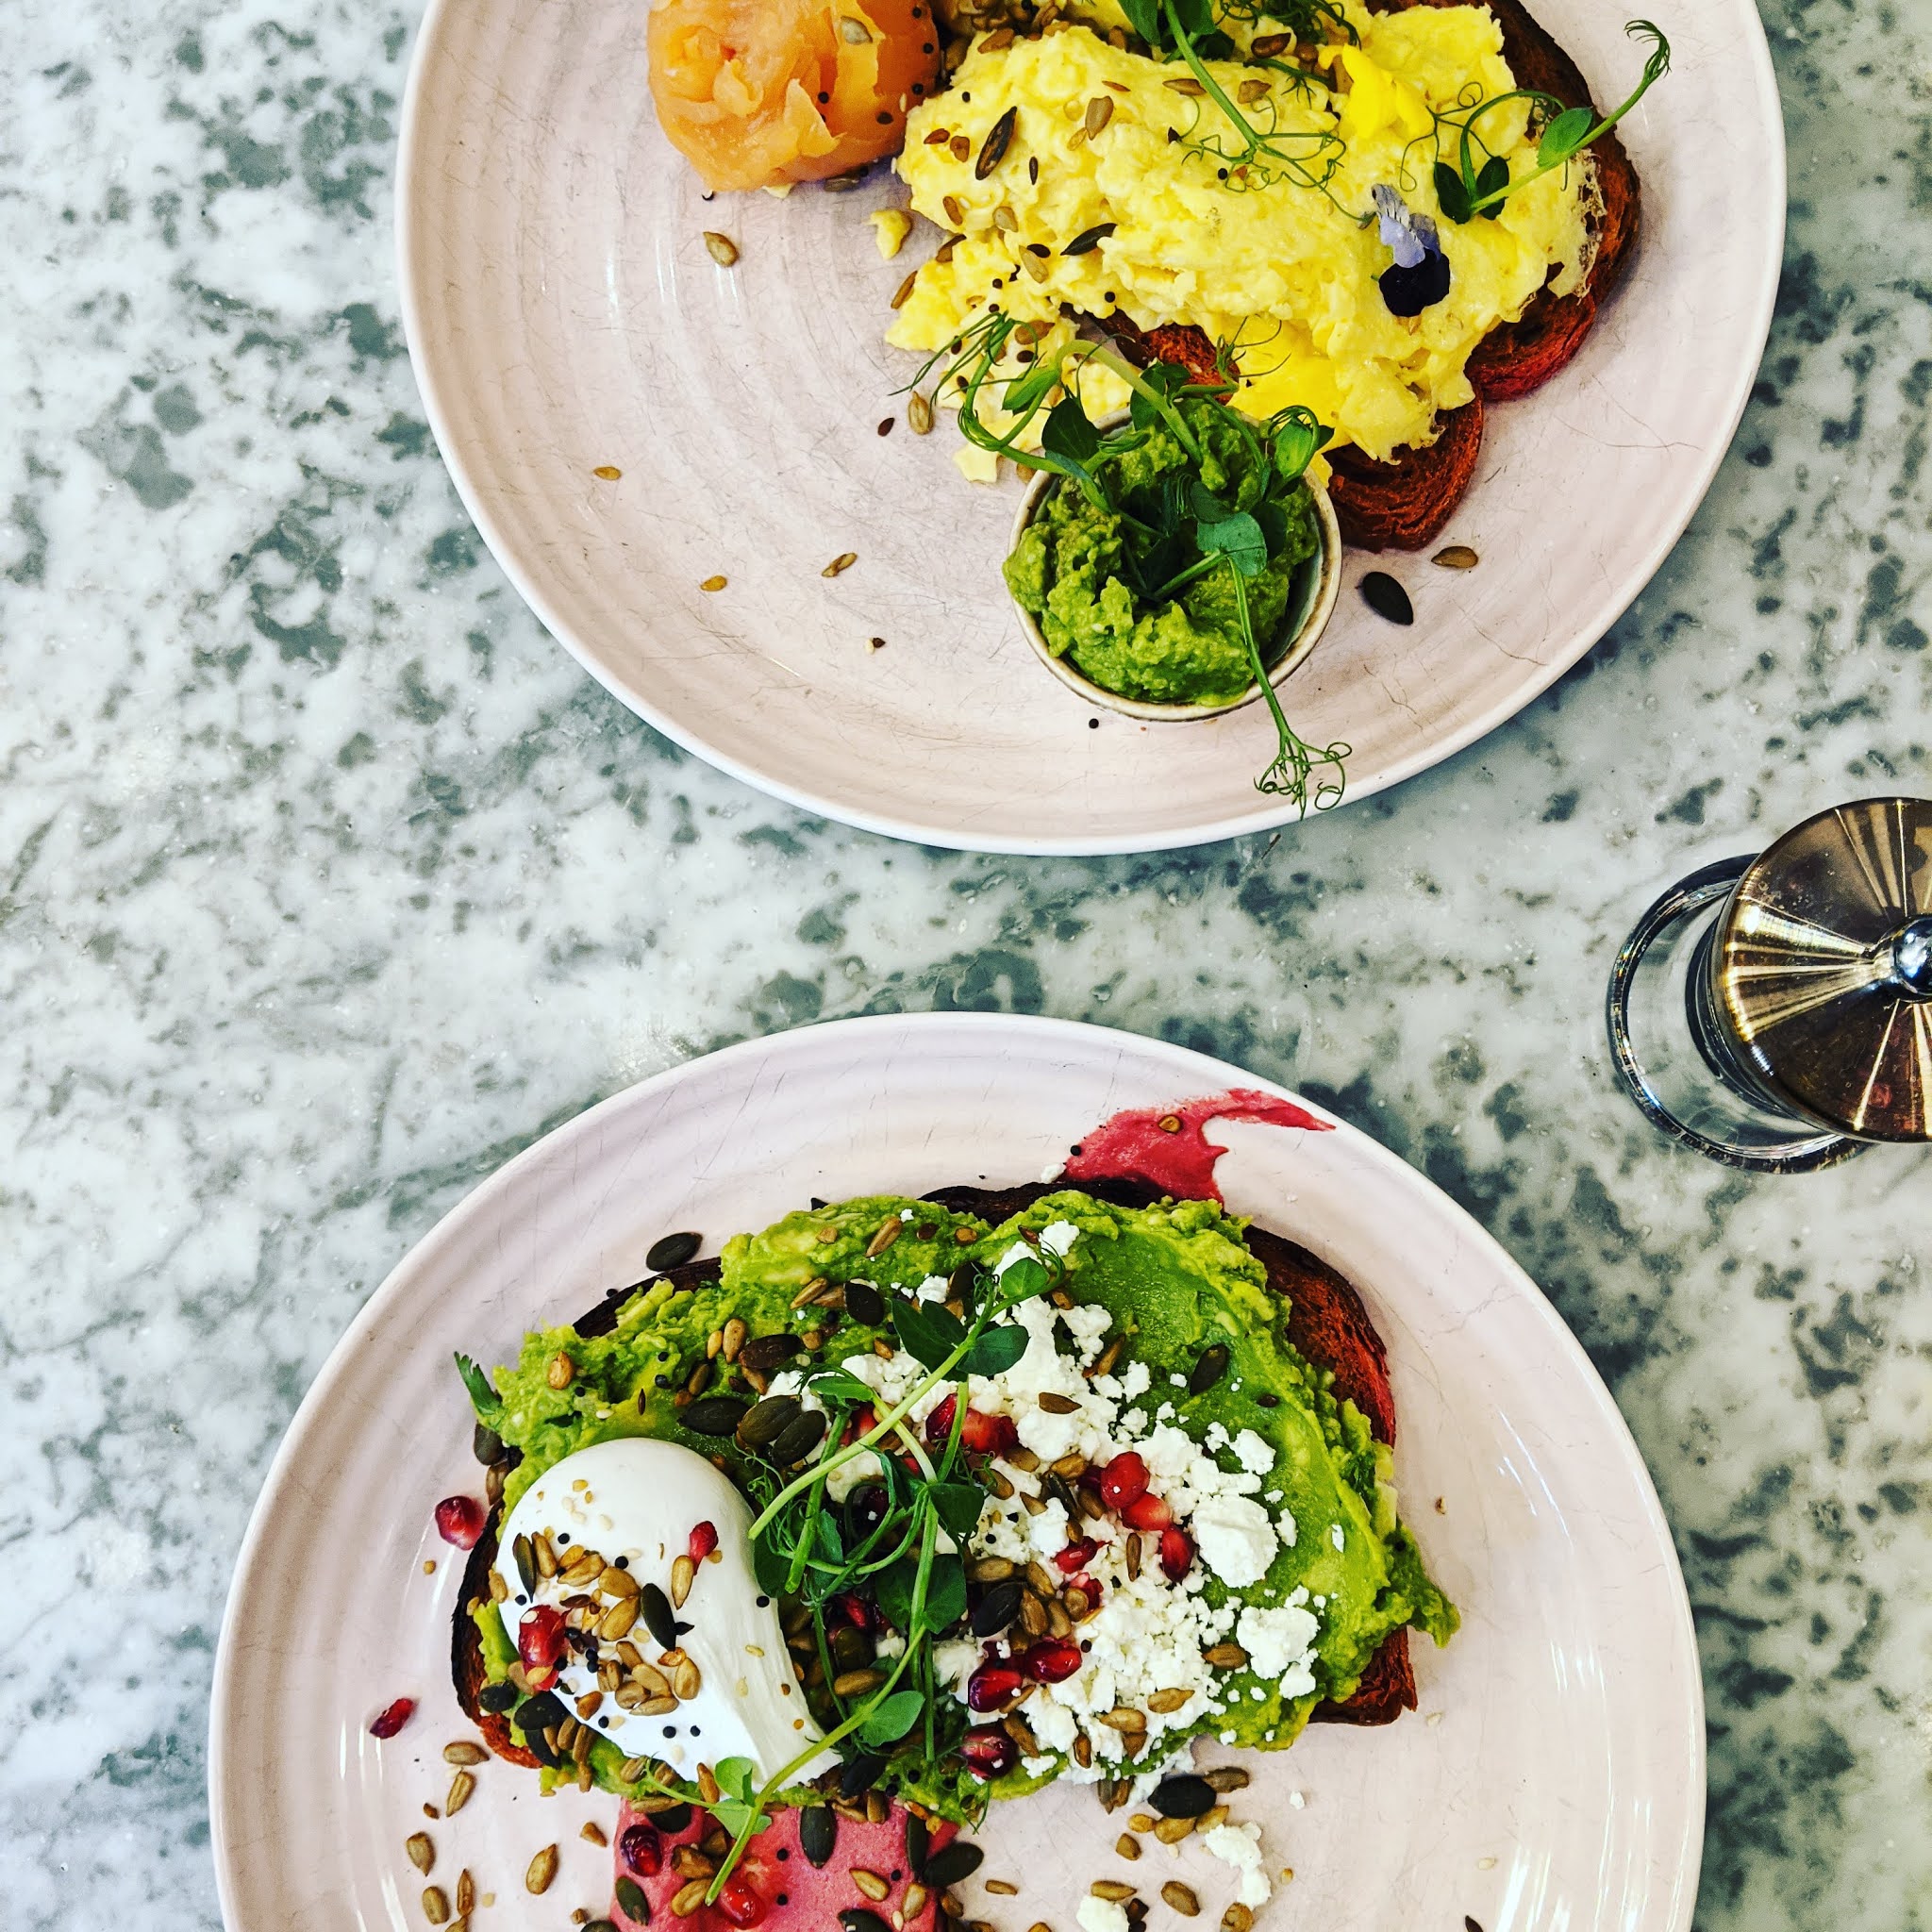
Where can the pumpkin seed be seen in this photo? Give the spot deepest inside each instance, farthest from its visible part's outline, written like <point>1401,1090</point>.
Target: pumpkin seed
<point>436,1905</point>
<point>599,1925</point>
<point>672,1251</point>
<point>863,1301</point>
<point>658,1621</point>
<point>486,1444</point>
<point>1210,1366</point>
<point>858,1776</point>
<point>421,1850</point>
<point>1185,1796</point>
<point>721,248</point>
<point>632,1901</point>
<point>918,1840</point>
<point>1017,1728</point>
<point>990,1570</point>
<point>766,1421</point>
<point>999,138</point>
<point>1124,1717</point>
<point>1181,1897</point>
<point>1386,598</point>
<point>1083,1750</point>
<point>997,1608</point>
<point>766,1356</point>
<point>799,1439</point>
<point>1457,556</point>
<point>714,1415</point>
<point>541,1871</point>
<point>856,1683</point>
<point>818,1835</point>
<point>884,1239</point>
<point>951,1863</point>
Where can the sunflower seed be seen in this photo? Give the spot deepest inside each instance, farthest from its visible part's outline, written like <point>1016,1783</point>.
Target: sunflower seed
<point>541,1871</point>
<point>1181,1898</point>
<point>914,1901</point>
<point>1083,1750</point>
<point>687,1681</point>
<point>919,420</point>
<point>1457,556</point>
<point>1127,1845</point>
<point>1165,1701</point>
<point>1188,85</point>
<point>436,1905</point>
<point>1111,1889</point>
<point>1225,1777</point>
<point>1225,1656</point>
<point>1021,1732</point>
<point>616,1582</point>
<point>561,1371</point>
<point>990,1570</point>
<point>683,1574</point>
<point>721,248</point>
<point>1133,1557</point>
<point>1267,46</point>
<point>732,1338</point>
<point>1171,1831</point>
<point>460,1787</point>
<point>688,1898</point>
<point>884,1237</point>
<point>466,1893</point>
<point>422,1852</point>
<point>688,1861</point>
<point>1002,1888</point>
<point>999,138</point>
<point>871,1884</point>
<point>837,566</point>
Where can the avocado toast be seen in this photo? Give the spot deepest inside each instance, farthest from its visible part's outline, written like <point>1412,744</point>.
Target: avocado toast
<point>1178,1518</point>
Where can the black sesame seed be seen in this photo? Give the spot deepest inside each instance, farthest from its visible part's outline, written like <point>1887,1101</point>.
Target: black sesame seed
<point>1092,725</point>
<point>565,1536</point>
<point>822,99</point>
<point>763,1601</point>
<point>622,1563</point>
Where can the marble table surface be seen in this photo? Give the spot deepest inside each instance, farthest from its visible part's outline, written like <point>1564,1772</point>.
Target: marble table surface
<point>328,882</point>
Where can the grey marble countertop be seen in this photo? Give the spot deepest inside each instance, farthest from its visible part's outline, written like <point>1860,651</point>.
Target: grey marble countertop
<point>326,882</point>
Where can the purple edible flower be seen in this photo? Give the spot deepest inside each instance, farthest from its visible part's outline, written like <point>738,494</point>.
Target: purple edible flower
<point>1409,235</point>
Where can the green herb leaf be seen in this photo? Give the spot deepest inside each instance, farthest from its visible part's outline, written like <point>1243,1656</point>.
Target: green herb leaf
<point>1066,432</point>
<point>771,1565</point>
<point>1298,439</point>
<point>895,1587</point>
<point>956,1506</point>
<point>895,1716</point>
<point>736,1777</point>
<point>1453,195</point>
<point>945,1592</point>
<point>837,1385</point>
<point>1240,540</point>
<point>994,1352</point>
<point>1564,136</point>
<point>1144,16</point>
<point>925,1331</point>
<point>483,1398</point>
<point>1022,1281</point>
<point>1493,178</point>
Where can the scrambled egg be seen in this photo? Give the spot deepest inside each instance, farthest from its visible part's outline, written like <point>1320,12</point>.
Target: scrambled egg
<point>1283,271</point>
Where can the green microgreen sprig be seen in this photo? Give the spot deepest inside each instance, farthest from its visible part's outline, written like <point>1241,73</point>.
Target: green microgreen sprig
<point>807,1547</point>
<point>1473,188</point>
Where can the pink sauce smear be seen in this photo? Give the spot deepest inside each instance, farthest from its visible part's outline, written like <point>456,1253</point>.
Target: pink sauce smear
<point>1166,1148</point>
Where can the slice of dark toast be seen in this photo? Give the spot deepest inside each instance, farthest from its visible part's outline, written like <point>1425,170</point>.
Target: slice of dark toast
<point>1327,1324</point>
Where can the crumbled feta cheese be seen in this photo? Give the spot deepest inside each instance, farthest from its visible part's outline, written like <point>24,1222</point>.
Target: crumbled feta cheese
<point>954,1662</point>
<point>1101,1915</point>
<point>1056,1237</point>
<point>1335,1535</point>
<point>1235,1538</point>
<point>1239,1845</point>
<point>1280,1643</point>
<point>1217,1437</point>
<point>1178,1381</point>
<point>863,1468</point>
<point>1255,1456</point>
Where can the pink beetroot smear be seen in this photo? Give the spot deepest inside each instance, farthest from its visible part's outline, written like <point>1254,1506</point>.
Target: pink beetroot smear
<point>1165,1147</point>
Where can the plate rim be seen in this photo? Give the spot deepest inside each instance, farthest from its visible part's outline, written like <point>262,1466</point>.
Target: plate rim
<point>1193,1070</point>
<point>411,279</point>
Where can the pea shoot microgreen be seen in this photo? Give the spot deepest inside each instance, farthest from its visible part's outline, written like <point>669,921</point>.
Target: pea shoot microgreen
<point>1185,533</point>
<point>894,1539</point>
<point>1473,187</point>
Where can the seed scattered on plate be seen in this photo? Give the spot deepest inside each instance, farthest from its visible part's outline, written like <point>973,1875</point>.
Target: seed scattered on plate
<point>421,1850</point>
<point>436,1905</point>
<point>874,644</point>
<point>460,1787</point>
<point>606,473</point>
<point>541,1871</point>
<point>721,248</point>
<point>1457,556</point>
<point>713,584</point>
<point>1386,598</point>
<point>843,561</point>
<point>464,1752</point>
<point>918,414</point>
<point>1181,1897</point>
<point>885,424</point>
<point>903,293</point>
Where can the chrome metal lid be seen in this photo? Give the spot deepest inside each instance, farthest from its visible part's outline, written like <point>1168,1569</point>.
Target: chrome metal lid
<point>1822,968</point>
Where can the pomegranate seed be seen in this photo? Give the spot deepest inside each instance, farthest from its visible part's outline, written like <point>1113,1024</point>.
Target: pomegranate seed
<point>641,1847</point>
<point>1148,1512</point>
<point>741,1901</point>
<point>459,1520</point>
<point>540,1639</point>
<point>989,1435</point>
<point>854,1608</point>
<point>704,1539</point>
<point>1122,1480</point>
<point>387,1722</point>
<point>1176,1553</point>
<point>867,1507</point>
<point>989,1751</point>
<point>938,1424</point>
<point>1087,1585</point>
<point>991,1684</point>
<point>1075,1556</point>
<point>1050,1662</point>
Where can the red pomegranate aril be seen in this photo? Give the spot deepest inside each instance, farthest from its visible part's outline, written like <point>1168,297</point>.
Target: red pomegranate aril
<point>1050,1662</point>
<point>540,1639</point>
<point>938,1422</point>
<point>1176,1553</point>
<point>989,1751</point>
<point>1147,1513</point>
<point>387,1722</point>
<point>854,1608</point>
<point>641,1848</point>
<point>991,1684</point>
<point>1074,1556</point>
<point>1122,1480</point>
<point>704,1539</point>
<point>459,1520</point>
<point>989,1435</point>
<point>741,1901</point>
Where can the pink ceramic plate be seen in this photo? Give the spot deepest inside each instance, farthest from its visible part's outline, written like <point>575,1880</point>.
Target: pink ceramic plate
<point>563,315</point>
<point>1554,1774</point>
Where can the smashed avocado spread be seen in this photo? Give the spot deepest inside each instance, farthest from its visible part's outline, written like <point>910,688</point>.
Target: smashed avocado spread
<point>1187,1532</point>
<point>1129,595</point>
